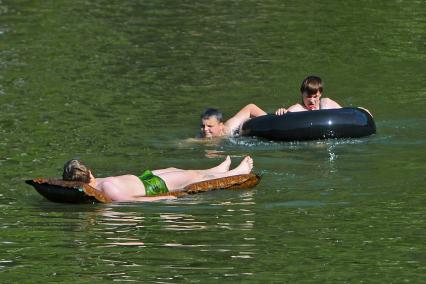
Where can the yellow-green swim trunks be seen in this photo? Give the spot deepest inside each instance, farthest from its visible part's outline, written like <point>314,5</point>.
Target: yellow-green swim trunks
<point>154,185</point>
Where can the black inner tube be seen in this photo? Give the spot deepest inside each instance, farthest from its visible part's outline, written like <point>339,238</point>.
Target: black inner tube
<point>348,122</point>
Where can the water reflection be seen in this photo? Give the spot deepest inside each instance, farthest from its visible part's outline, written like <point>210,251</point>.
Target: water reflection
<point>183,232</point>
<point>121,227</point>
<point>182,222</point>
<point>6,263</point>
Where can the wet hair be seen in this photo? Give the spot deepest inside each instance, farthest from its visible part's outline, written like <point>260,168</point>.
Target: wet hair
<point>212,112</point>
<point>76,171</point>
<point>311,85</point>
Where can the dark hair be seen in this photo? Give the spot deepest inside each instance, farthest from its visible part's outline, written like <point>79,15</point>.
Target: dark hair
<point>76,171</point>
<point>311,85</point>
<point>212,112</point>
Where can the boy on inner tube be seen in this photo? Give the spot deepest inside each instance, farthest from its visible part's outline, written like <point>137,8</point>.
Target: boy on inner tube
<point>212,124</point>
<point>311,91</point>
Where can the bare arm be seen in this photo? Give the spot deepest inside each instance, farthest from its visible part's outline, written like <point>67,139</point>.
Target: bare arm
<point>153,198</point>
<point>247,112</point>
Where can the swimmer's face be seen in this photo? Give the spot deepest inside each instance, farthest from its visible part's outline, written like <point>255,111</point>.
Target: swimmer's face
<point>211,127</point>
<point>312,101</point>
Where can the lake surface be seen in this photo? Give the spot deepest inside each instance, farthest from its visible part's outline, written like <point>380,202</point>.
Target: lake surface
<point>121,84</point>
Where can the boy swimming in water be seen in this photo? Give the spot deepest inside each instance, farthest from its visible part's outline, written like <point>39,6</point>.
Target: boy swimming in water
<point>212,124</point>
<point>151,184</point>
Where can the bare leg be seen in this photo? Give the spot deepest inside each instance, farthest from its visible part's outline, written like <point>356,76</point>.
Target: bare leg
<point>162,171</point>
<point>221,168</point>
<point>179,179</point>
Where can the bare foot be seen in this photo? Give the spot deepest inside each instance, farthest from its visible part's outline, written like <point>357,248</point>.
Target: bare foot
<point>223,167</point>
<point>244,167</point>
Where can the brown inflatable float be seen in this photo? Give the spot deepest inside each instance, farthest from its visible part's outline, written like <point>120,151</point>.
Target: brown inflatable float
<point>57,190</point>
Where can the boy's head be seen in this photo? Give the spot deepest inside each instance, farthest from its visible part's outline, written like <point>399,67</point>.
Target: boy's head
<point>311,85</point>
<point>311,91</point>
<point>211,123</point>
<point>76,171</point>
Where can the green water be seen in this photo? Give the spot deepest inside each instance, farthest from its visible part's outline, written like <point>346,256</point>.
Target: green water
<point>120,84</point>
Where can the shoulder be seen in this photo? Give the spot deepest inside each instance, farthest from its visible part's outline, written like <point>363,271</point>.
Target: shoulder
<point>327,103</point>
<point>109,184</point>
<point>232,126</point>
<point>230,129</point>
<point>106,183</point>
<point>326,100</point>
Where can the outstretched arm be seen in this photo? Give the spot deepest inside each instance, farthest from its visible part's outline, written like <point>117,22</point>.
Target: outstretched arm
<point>247,112</point>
